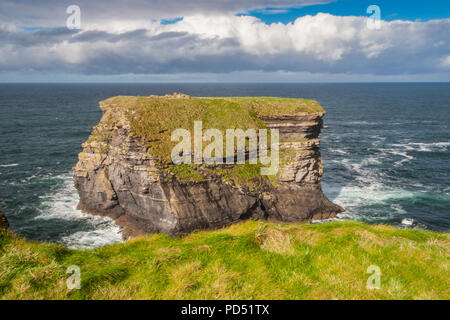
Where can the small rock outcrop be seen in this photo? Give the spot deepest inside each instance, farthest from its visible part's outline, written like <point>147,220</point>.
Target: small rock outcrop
<point>4,224</point>
<point>118,175</point>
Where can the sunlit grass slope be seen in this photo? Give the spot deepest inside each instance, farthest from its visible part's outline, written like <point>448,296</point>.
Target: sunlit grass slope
<point>251,260</point>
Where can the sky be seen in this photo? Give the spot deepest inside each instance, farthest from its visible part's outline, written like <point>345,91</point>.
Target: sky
<point>225,41</point>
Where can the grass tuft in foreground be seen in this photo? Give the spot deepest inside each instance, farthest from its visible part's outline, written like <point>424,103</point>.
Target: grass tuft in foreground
<point>250,260</point>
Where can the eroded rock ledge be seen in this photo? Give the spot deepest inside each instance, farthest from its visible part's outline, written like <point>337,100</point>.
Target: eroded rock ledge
<point>4,224</point>
<point>117,175</point>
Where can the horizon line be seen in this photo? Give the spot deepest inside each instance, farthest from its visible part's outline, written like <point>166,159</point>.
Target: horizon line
<point>220,82</point>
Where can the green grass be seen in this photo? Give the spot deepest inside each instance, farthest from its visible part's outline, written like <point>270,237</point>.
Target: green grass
<point>274,107</point>
<point>153,119</point>
<point>185,173</point>
<point>250,260</point>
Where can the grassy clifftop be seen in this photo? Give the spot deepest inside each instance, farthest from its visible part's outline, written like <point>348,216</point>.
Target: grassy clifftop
<point>154,118</point>
<point>251,260</point>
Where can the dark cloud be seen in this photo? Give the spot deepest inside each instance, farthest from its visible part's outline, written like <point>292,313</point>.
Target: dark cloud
<point>31,38</point>
<point>53,12</point>
<point>204,44</point>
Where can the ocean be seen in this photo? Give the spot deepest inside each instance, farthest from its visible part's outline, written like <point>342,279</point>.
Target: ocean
<point>385,149</point>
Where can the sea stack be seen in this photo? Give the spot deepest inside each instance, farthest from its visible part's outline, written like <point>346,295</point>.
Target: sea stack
<point>4,224</point>
<point>125,171</point>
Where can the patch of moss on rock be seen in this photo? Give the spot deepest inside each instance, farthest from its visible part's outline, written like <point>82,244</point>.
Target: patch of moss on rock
<point>184,173</point>
<point>154,118</point>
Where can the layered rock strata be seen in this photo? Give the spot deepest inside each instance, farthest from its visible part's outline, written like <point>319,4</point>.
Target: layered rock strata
<point>118,177</point>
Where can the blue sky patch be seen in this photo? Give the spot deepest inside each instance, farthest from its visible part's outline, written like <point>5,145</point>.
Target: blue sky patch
<point>36,28</point>
<point>171,21</point>
<point>390,10</point>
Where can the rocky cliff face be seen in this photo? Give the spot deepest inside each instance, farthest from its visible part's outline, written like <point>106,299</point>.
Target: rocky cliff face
<point>4,224</point>
<point>117,176</point>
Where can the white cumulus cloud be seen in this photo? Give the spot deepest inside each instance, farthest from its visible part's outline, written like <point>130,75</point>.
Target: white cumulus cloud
<point>222,43</point>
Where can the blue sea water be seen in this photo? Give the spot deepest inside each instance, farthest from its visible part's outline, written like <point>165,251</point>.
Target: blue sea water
<point>385,149</point>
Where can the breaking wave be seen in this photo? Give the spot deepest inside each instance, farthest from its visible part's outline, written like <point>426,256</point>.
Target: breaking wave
<point>86,231</point>
<point>8,165</point>
<point>424,147</point>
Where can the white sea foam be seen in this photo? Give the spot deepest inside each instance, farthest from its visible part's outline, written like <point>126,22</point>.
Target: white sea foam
<point>368,191</point>
<point>102,236</point>
<point>8,165</point>
<point>424,147</point>
<point>396,152</point>
<point>398,208</point>
<point>339,151</point>
<point>403,149</point>
<point>62,205</point>
<point>370,161</point>
<point>371,194</point>
<point>367,188</point>
<point>408,222</point>
<point>362,123</point>
<point>377,140</point>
